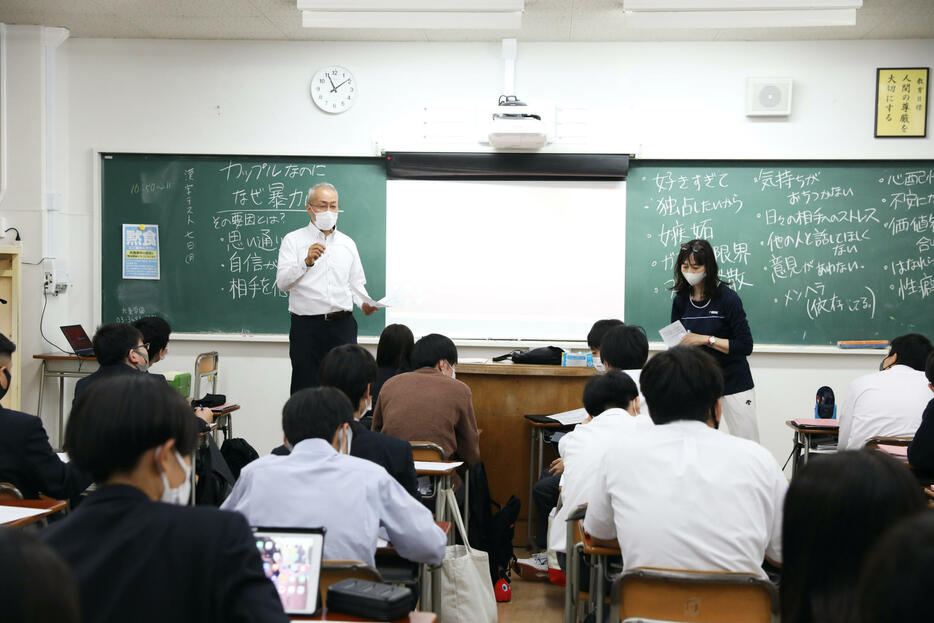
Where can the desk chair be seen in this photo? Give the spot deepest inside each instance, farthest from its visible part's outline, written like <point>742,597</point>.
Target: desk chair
<point>333,571</point>
<point>8,491</point>
<point>430,451</point>
<point>694,596</point>
<point>206,369</point>
<point>573,595</point>
<point>901,440</point>
<point>599,566</point>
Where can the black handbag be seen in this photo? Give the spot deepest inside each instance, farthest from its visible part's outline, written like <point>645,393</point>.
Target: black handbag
<point>548,355</point>
<point>369,600</point>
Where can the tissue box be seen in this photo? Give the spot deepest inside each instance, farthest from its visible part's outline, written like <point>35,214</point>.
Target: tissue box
<point>577,360</point>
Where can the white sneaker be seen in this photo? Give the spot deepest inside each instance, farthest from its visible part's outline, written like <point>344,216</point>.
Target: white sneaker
<point>535,567</point>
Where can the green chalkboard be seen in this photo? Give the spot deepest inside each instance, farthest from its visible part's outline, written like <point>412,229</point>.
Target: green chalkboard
<point>221,219</point>
<point>818,251</point>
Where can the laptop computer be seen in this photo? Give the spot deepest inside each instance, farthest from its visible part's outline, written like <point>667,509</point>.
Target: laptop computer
<point>291,559</point>
<point>78,340</point>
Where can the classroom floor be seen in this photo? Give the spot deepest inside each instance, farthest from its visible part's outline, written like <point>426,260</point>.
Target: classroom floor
<point>532,602</point>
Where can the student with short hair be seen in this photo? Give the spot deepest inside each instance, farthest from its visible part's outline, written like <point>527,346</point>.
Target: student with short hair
<point>612,403</point>
<point>429,404</point>
<point>156,332</point>
<point>352,369</point>
<point>136,551</point>
<point>27,460</point>
<point>835,509</point>
<point>888,402</point>
<point>318,484</point>
<point>120,351</point>
<point>595,336</point>
<point>921,448</point>
<point>393,354</point>
<point>680,494</point>
<point>35,585</point>
<point>896,577</point>
<point>625,347</point>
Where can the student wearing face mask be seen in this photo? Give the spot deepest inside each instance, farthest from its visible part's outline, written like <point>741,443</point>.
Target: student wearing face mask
<point>429,403</point>
<point>714,316</point>
<point>319,484</point>
<point>681,495</point>
<point>121,351</point>
<point>134,550</point>
<point>320,269</point>
<point>352,369</point>
<point>27,460</point>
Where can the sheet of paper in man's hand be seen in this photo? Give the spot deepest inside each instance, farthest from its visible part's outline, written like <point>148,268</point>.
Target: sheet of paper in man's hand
<point>672,334</point>
<point>383,302</point>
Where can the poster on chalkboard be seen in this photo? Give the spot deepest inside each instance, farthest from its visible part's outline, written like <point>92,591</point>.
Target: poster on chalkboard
<point>140,251</point>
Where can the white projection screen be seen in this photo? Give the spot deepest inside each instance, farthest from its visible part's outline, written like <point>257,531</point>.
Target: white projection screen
<point>505,260</point>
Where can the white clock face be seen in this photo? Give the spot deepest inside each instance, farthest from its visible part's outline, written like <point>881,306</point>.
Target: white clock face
<point>333,89</point>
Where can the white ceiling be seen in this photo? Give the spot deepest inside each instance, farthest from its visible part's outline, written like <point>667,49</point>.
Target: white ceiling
<point>544,20</point>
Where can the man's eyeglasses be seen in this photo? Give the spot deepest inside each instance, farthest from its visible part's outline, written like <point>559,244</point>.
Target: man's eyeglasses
<point>146,346</point>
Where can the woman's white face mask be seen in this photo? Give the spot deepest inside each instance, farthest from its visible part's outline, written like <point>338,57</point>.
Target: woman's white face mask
<point>694,278</point>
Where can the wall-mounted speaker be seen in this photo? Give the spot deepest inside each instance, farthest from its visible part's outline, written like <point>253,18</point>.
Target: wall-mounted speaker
<point>768,97</point>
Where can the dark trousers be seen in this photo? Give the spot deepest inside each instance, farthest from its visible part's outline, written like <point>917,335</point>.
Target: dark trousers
<point>310,339</point>
<point>545,495</point>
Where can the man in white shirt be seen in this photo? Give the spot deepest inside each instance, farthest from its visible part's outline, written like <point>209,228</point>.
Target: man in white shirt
<point>889,402</point>
<point>319,484</point>
<point>320,268</point>
<point>612,402</point>
<point>681,494</point>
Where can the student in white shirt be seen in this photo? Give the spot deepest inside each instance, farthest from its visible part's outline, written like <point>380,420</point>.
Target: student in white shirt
<point>319,484</point>
<point>889,402</point>
<point>681,494</point>
<point>612,402</point>
<point>625,347</point>
<point>320,268</point>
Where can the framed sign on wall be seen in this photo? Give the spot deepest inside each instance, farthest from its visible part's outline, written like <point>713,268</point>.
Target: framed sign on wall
<point>901,102</point>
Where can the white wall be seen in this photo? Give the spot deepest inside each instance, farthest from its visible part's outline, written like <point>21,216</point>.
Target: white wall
<point>665,100</point>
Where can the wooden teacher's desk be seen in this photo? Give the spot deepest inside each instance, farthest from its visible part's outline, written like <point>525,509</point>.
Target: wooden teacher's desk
<point>502,394</point>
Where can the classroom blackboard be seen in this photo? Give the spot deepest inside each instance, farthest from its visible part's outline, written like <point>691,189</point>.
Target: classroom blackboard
<point>817,251</point>
<point>221,219</point>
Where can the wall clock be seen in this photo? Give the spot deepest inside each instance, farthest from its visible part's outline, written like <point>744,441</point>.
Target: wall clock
<point>333,89</point>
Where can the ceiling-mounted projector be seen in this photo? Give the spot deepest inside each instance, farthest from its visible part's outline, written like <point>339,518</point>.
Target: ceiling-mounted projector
<point>515,125</point>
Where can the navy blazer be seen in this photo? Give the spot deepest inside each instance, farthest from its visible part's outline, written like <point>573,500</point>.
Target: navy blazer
<point>28,461</point>
<point>104,372</point>
<point>395,455</point>
<point>150,562</point>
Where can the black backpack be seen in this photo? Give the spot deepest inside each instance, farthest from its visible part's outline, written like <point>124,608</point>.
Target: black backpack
<point>238,454</point>
<point>488,531</point>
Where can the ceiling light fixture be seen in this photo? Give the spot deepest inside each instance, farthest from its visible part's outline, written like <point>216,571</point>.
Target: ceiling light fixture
<point>412,14</point>
<point>717,14</point>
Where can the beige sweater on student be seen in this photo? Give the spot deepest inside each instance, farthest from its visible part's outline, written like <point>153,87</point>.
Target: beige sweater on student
<point>425,405</point>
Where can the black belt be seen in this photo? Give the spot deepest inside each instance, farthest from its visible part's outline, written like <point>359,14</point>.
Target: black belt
<point>330,316</point>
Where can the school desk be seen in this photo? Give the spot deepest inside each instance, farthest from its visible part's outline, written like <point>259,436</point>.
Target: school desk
<point>62,366</point>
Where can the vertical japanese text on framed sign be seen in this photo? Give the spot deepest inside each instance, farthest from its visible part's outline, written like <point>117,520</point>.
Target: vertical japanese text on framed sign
<point>902,102</point>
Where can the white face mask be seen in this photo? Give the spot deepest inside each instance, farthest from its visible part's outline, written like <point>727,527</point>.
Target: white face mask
<point>325,221</point>
<point>598,364</point>
<point>180,494</point>
<point>143,354</point>
<point>694,278</point>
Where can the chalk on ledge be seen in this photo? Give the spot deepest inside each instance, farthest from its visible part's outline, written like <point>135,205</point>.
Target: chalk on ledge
<point>863,344</point>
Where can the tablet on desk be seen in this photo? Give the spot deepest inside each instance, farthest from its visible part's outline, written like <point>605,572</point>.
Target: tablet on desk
<point>291,559</point>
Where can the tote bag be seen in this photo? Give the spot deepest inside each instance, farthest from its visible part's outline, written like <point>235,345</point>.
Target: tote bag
<point>466,590</point>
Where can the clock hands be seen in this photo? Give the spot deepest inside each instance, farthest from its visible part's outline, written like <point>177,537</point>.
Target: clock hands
<point>341,84</point>
<point>333,88</point>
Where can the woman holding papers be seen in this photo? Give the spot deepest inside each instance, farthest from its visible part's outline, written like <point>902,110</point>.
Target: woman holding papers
<point>715,320</point>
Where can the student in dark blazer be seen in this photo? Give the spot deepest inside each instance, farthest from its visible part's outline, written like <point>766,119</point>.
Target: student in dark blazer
<point>136,553</point>
<point>352,369</point>
<point>27,460</point>
<point>921,448</point>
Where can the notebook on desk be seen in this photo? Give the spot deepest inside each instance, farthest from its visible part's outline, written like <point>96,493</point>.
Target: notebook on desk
<point>291,559</point>
<point>78,340</point>
<point>815,423</point>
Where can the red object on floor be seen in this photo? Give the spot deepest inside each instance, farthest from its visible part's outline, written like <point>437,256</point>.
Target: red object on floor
<point>502,590</point>
<point>557,576</point>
